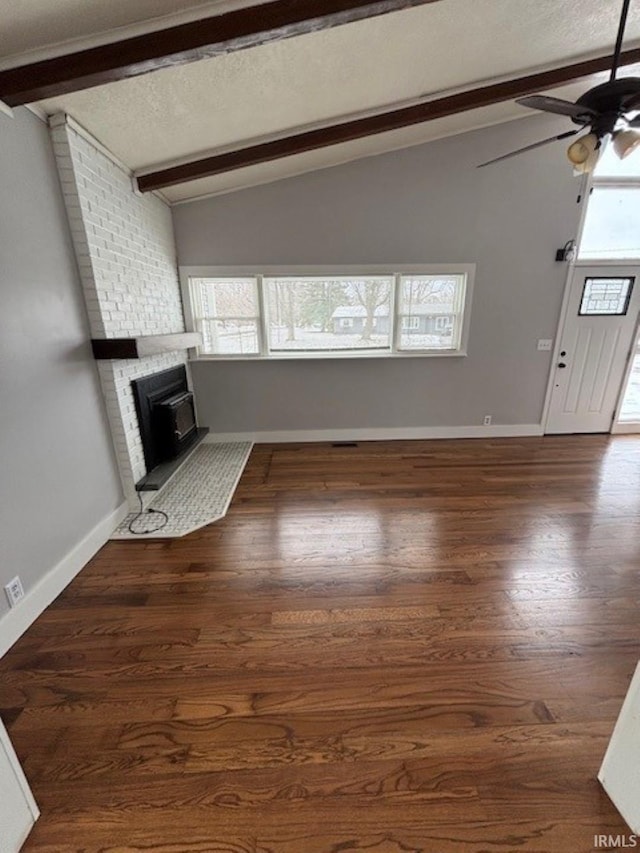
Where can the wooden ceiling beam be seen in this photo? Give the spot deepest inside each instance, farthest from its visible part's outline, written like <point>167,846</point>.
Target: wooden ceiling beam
<point>225,33</point>
<point>288,146</point>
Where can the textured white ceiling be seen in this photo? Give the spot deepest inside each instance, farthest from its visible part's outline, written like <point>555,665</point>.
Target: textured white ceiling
<point>38,27</point>
<point>274,89</point>
<point>370,146</point>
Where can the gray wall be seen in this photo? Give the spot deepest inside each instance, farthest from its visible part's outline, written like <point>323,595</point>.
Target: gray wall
<point>423,204</point>
<point>57,471</point>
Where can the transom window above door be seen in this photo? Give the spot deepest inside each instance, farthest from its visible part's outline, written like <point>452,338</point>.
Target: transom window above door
<point>612,222</point>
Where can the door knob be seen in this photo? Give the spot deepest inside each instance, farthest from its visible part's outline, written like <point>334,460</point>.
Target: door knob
<point>562,364</point>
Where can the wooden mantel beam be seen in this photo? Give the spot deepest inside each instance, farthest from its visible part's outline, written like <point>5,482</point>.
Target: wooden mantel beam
<point>358,128</point>
<point>213,36</point>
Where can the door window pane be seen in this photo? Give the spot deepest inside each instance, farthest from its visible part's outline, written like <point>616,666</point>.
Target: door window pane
<point>605,296</point>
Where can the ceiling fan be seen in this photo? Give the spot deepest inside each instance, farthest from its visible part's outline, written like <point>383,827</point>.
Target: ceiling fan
<point>605,110</point>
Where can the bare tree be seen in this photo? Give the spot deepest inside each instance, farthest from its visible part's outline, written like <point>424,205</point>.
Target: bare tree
<point>235,298</point>
<point>418,290</point>
<point>371,295</point>
<point>285,307</point>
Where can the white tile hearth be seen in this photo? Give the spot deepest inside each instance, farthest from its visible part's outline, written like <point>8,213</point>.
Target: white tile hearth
<point>199,492</point>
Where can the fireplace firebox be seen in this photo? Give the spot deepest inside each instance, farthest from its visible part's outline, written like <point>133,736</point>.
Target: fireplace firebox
<point>166,419</point>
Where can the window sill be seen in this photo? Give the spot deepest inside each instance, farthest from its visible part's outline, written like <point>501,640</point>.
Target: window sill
<point>331,357</point>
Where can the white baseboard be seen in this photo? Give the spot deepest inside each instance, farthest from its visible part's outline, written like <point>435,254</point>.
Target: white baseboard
<point>622,428</point>
<point>14,623</point>
<point>379,434</point>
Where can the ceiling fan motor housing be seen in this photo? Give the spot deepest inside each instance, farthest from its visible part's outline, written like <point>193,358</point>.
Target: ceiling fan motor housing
<point>610,101</point>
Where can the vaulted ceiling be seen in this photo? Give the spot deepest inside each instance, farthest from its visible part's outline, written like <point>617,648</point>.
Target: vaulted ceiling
<point>320,78</point>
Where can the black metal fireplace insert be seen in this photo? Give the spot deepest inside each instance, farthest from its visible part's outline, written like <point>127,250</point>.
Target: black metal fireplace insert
<point>167,423</point>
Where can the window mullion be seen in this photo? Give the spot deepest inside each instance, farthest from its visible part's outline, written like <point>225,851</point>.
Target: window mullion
<point>458,314</point>
<point>193,314</point>
<point>393,317</point>
<point>263,318</point>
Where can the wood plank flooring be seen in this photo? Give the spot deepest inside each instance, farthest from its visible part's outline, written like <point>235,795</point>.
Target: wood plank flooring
<point>401,646</point>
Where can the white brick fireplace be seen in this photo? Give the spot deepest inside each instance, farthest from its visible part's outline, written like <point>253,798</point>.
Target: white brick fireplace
<point>126,253</point>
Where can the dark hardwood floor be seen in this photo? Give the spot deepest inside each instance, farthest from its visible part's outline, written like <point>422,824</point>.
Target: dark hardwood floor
<point>408,646</point>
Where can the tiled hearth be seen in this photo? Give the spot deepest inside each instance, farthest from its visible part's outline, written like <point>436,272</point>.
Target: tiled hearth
<point>199,493</point>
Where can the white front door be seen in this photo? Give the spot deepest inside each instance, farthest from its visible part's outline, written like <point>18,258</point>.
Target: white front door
<point>602,312</point>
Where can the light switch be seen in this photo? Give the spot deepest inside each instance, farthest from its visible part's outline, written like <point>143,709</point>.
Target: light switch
<point>545,344</point>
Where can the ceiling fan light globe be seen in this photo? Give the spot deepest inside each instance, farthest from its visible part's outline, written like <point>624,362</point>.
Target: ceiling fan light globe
<point>625,142</point>
<point>582,150</point>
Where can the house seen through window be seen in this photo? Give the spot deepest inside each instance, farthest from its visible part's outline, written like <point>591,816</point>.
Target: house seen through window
<point>287,314</point>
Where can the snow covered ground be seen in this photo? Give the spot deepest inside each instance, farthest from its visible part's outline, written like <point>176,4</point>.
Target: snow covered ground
<point>244,341</point>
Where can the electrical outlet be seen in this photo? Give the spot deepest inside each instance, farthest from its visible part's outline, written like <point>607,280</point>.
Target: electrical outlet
<point>487,420</point>
<point>14,591</point>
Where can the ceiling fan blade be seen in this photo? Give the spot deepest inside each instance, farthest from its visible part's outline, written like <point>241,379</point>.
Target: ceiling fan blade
<point>555,105</point>
<point>529,148</point>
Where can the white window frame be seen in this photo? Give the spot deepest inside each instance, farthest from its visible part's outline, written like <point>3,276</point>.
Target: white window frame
<point>346,322</point>
<point>257,318</point>
<point>260,272</point>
